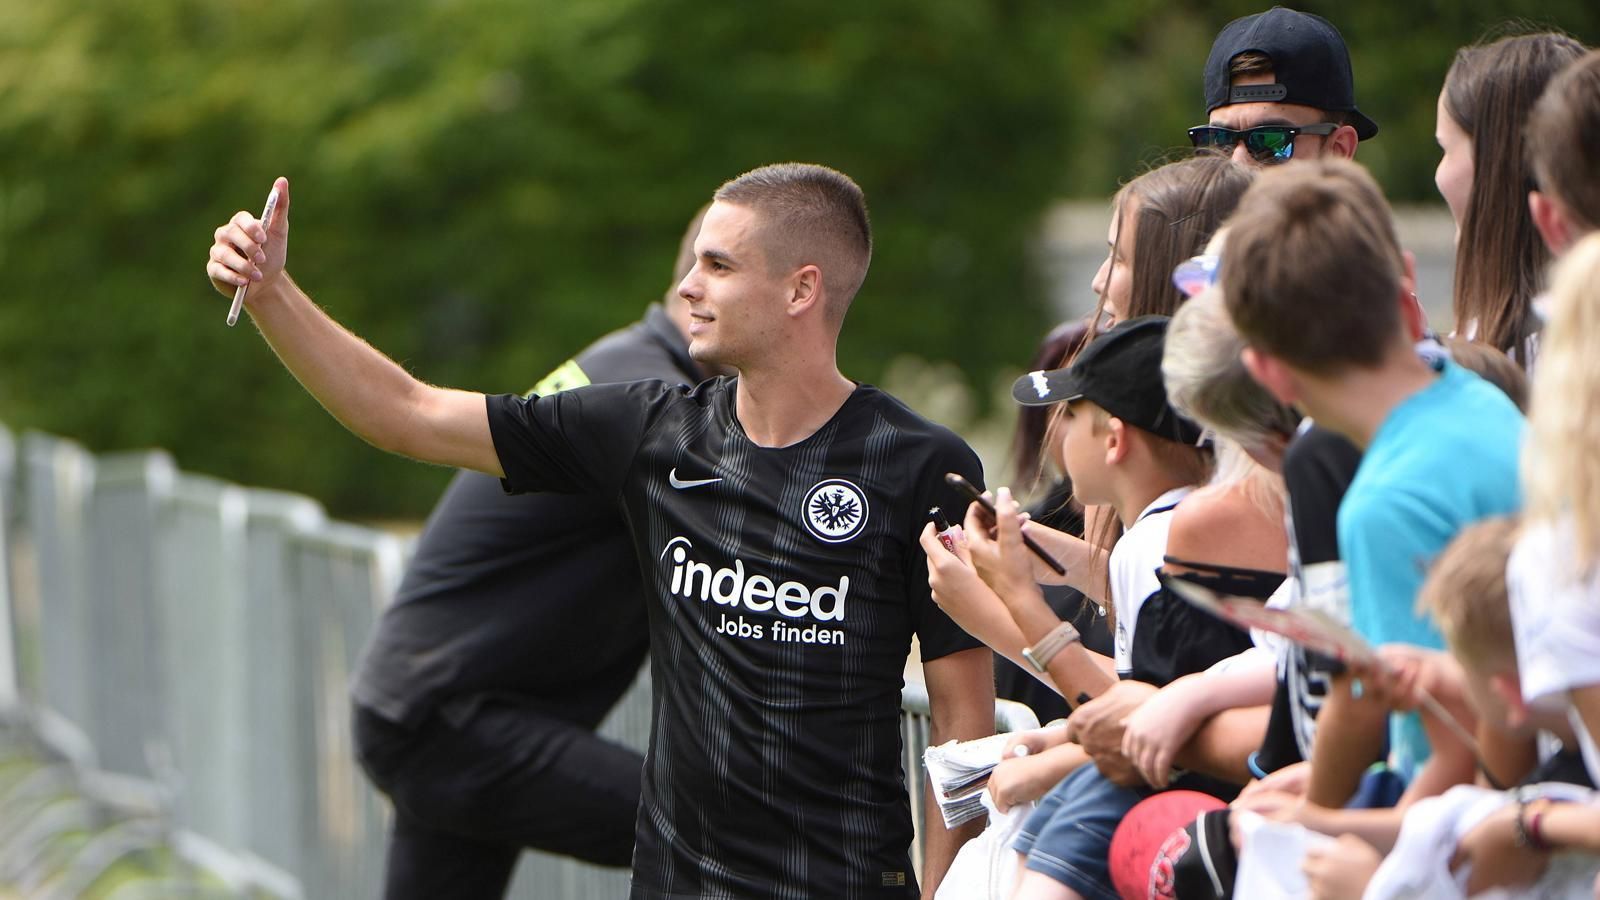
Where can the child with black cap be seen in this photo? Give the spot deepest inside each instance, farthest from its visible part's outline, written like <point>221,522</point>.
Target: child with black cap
<point>1125,448</point>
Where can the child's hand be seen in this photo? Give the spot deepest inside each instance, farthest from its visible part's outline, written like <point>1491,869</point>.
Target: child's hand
<point>1159,728</point>
<point>1280,806</point>
<point>1290,779</point>
<point>1026,779</point>
<point>1012,782</point>
<point>1002,560</point>
<point>959,591</point>
<point>1098,727</point>
<point>1490,850</point>
<point>1402,674</point>
<point>1341,870</point>
<point>1036,740</point>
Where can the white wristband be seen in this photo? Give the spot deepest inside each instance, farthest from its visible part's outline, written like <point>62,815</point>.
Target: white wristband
<point>1040,654</point>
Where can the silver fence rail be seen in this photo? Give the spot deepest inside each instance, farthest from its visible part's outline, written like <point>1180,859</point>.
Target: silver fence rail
<point>180,648</point>
<point>10,692</point>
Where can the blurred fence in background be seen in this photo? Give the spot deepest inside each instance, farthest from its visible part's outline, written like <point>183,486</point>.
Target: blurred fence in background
<point>174,658</point>
<point>190,641</point>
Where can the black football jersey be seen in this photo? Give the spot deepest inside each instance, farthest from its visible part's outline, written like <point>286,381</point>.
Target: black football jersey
<point>784,586</point>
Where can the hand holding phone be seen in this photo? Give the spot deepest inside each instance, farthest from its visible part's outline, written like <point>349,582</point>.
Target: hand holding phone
<point>239,292</point>
<point>976,496</point>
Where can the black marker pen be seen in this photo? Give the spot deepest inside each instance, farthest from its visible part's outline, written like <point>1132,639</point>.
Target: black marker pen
<point>947,532</point>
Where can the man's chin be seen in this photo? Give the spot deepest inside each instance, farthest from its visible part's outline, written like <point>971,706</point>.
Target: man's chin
<point>711,359</point>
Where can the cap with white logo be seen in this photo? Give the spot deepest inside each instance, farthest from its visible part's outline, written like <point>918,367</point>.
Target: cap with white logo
<point>1120,371</point>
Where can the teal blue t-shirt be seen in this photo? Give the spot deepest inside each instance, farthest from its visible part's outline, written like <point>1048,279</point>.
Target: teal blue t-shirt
<point>1444,458</point>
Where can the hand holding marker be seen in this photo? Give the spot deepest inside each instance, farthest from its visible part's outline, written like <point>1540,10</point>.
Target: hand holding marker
<point>965,487</point>
<point>945,531</point>
<point>266,220</point>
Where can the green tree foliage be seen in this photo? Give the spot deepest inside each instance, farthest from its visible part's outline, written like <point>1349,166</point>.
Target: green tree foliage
<point>482,186</point>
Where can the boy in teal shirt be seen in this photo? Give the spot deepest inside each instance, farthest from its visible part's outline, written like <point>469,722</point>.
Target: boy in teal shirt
<point>1316,282</point>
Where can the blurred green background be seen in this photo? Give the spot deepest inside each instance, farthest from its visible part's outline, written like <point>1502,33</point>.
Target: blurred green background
<point>483,186</point>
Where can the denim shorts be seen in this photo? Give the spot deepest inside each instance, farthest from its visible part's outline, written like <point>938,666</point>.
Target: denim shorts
<point>1068,836</point>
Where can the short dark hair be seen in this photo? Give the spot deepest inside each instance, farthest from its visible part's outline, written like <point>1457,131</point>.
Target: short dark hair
<point>1563,140</point>
<point>1312,267</point>
<point>810,214</point>
<point>1500,258</point>
<point>1254,62</point>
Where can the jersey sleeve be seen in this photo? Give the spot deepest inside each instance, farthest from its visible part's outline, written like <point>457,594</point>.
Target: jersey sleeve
<point>576,441</point>
<point>1388,545</point>
<point>937,634</point>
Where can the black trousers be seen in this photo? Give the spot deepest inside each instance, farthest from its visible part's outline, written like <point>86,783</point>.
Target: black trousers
<point>470,792</point>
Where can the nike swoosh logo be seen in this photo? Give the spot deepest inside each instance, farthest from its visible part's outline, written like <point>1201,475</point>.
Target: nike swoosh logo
<point>680,484</point>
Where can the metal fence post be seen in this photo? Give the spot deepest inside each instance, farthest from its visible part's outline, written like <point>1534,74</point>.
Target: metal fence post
<point>10,673</point>
<point>200,596</point>
<point>343,575</point>
<point>914,732</point>
<point>57,478</point>
<point>280,757</point>
<point>127,691</point>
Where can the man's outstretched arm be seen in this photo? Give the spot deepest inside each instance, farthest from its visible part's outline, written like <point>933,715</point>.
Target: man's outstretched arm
<point>366,391</point>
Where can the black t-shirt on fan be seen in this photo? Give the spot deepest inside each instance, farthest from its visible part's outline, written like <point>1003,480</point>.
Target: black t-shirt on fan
<point>784,586</point>
<point>1317,470</point>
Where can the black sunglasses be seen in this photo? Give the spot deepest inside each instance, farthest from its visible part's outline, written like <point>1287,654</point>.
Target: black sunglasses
<point>1265,143</point>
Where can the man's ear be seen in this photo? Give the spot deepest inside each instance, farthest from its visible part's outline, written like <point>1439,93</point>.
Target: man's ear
<point>1117,437</point>
<point>1272,374</point>
<point>1342,143</point>
<point>1551,219</point>
<point>805,290</point>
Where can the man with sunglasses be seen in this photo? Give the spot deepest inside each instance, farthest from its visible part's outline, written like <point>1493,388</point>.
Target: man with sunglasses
<point>1278,87</point>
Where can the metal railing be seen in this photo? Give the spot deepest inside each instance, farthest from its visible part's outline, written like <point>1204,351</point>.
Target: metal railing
<point>195,638</point>
<point>914,729</point>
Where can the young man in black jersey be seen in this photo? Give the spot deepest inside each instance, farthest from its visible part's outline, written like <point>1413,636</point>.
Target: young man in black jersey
<point>775,516</point>
<point>519,624</point>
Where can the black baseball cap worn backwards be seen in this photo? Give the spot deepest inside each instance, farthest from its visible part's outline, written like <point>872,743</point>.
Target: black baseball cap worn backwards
<point>1119,371</point>
<point>1309,61</point>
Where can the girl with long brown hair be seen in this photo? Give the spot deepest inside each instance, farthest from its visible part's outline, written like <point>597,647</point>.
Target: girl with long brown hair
<point>1158,220</point>
<point>1485,176</point>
